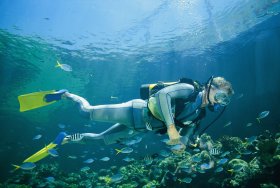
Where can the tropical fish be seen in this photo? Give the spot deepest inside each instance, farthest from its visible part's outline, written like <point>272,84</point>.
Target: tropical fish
<point>225,153</point>
<point>26,166</point>
<point>205,166</point>
<point>228,124</point>
<point>64,67</point>
<point>222,161</point>
<point>249,124</point>
<point>116,178</point>
<point>50,179</point>
<point>238,156</point>
<point>53,152</point>
<point>112,97</point>
<point>72,157</point>
<point>130,132</point>
<point>164,153</point>
<point>37,137</point>
<point>187,170</point>
<point>196,159</point>
<point>262,115</point>
<point>124,150</point>
<point>252,139</point>
<point>84,169</point>
<point>196,150</point>
<point>186,180</point>
<point>61,126</point>
<point>105,159</point>
<point>88,161</point>
<point>215,151</point>
<point>177,147</point>
<point>246,152</point>
<point>219,169</point>
<point>164,140</point>
<point>201,171</point>
<point>128,159</point>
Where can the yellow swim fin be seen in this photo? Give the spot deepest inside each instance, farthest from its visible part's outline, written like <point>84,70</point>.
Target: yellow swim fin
<point>44,152</point>
<point>39,99</point>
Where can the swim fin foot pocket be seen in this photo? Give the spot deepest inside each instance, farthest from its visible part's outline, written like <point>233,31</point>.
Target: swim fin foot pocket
<point>55,96</point>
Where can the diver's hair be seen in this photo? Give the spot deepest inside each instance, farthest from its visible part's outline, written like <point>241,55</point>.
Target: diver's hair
<point>221,83</point>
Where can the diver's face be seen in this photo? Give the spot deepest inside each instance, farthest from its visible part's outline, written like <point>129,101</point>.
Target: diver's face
<point>218,96</point>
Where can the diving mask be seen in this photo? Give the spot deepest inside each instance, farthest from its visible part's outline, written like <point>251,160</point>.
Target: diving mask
<point>222,98</point>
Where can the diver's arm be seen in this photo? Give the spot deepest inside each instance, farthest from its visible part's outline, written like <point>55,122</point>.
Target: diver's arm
<point>164,98</point>
<point>84,104</point>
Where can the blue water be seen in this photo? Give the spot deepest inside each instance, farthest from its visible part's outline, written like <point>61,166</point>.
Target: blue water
<point>114,47</point>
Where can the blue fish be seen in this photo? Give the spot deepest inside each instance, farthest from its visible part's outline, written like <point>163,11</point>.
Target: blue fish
<point>37,137</point>
<point>62,126</point>
<point>88,161</point>
<point>196,159</point>
<point>252,139</point>
<point>186,180</point>
<point>26,166</point>
<point>222,161</point>
<point>64,67</point>
<point>50,179</point>
<point>53,152</point>
<point>205,166</point>
<point>177,147</point>
<point>117,178</point>
<point>105,159</point>
<point>219,169</point>
<point>262,115</point>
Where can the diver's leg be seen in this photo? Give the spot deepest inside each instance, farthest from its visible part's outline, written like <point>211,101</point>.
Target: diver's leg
<point>109,136</point>
<point>113,113</point>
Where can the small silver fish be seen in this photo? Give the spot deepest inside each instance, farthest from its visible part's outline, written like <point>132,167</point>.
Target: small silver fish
<point>222,161</point>
<point>61,126</point>
<point>116,177</point>
<point>105,159</point>
<point>262,115</point>
<point>50,179</point>
<point>72,157</point>
<point>186,180</point>
<point>128,159</point>
<point>124,150</point>
<point>88,161</point>
<point>84,169</point>
<point>37,137</point>
<point>228,124</point>
<point>219,169</point>
<point>249,124</point>
<point>64,67</point>
<point>196,159</point>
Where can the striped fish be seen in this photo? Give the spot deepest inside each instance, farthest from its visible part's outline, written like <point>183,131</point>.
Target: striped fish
<point>76,137</point>
<point>214,151</point>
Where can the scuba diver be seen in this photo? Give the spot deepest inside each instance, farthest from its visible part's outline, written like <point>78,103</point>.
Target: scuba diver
<point>175,107</point>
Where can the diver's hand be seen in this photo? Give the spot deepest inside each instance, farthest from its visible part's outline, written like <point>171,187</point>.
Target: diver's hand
<point>174,136</point>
